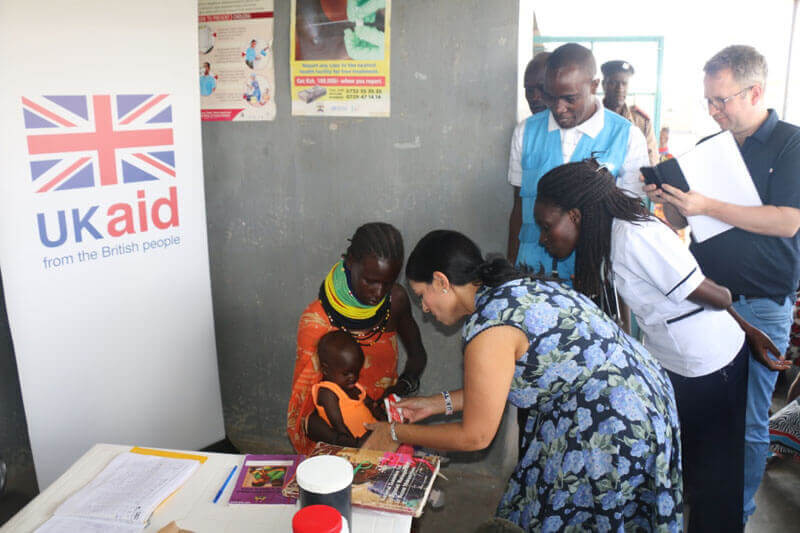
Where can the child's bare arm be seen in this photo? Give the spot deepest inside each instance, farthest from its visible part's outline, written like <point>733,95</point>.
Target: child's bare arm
<point>330,402</point>
<point>376,407</point>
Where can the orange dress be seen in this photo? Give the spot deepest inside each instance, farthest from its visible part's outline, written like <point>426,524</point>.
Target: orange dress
<point>355,413</point>
<point>378,373</point>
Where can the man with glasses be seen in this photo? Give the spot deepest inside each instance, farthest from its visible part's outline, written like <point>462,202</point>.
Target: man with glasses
<point>758,258</point>
<point>576,127</point>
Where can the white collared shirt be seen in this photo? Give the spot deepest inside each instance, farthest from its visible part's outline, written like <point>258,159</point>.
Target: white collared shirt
<point>655,273</point>
<point>635,158</point>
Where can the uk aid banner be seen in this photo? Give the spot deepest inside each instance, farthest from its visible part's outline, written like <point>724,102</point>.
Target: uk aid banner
<point>103,246</point>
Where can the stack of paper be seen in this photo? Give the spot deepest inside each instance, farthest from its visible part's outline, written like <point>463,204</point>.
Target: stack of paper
<point>715,168</point>
<point>122,497</point>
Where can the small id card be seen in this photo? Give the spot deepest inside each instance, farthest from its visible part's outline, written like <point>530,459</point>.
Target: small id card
<point>394,413</point>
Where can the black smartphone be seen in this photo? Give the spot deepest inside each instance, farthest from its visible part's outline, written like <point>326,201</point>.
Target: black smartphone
<point>668,171</point>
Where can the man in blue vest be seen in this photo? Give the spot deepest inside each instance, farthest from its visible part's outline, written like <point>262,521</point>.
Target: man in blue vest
<point>576,127</point>
<point>533,82</point>
<point>759,258</point>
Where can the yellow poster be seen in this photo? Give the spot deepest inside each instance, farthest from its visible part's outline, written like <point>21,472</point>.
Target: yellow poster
<point>340,58</point>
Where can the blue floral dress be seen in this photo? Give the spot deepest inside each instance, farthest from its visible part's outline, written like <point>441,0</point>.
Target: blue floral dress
<point>602,444</point>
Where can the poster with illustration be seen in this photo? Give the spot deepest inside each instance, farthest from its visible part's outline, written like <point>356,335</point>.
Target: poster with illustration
<point>236,62</point>
<point>340,58</point>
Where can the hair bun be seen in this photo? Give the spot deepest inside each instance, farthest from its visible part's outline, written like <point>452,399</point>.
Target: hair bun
<point>491,266</point>
<point>494,270</point>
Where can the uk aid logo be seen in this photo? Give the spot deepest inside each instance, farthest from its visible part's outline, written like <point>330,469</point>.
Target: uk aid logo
<point>101,141</point>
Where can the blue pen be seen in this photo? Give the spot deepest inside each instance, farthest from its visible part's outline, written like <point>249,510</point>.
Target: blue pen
<point>222,488</point>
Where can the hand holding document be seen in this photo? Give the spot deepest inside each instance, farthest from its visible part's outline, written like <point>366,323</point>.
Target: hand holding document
<point>713,168</point>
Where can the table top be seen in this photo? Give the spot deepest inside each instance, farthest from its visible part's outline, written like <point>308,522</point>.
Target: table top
<point>191,506</point>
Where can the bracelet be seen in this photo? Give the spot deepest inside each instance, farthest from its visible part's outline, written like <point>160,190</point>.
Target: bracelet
<point>448,403</point>
<point>411,383</point>
<point>393,431</point>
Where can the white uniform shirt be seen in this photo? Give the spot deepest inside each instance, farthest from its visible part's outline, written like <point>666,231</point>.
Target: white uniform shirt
<point>635,158</point>
<point>655,273</point>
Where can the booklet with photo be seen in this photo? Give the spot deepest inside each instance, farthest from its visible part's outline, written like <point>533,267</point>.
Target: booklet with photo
<point>386,481</point>
<point>263,477</point>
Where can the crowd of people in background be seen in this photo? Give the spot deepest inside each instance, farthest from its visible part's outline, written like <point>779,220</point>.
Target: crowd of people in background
<point>694,307</point>
<point>617,430</point>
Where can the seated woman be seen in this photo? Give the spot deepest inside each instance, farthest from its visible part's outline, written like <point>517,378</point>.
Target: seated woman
<point>360,296</point>
<point>340,400</point>
<point>601,442</point>
<point>687,321</point>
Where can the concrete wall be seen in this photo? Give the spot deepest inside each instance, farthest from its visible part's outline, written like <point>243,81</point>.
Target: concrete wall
<point>283,197</point>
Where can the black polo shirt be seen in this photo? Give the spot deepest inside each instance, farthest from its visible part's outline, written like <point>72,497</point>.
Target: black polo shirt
<point>747,263</point>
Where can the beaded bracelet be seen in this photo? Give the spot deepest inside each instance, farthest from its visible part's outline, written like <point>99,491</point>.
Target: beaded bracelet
<point>411,383</point>
<point>448,403</point>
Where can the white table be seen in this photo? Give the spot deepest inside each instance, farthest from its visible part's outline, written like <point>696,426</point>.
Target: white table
<point>191,507</point>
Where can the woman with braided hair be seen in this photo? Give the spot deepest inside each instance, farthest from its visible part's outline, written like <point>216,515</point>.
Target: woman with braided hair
<point>687,321</point>
<point>360,296</point>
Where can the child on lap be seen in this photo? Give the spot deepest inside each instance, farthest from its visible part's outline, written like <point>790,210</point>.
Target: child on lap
<point>339,399</point>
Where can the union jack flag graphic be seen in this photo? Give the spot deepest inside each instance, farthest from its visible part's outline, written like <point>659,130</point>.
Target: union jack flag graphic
<point>81,141</point>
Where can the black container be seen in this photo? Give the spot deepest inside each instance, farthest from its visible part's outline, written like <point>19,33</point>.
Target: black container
<point>326,480</point>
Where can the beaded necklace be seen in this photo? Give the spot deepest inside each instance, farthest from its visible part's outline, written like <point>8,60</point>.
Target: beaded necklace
<point>366,324</point>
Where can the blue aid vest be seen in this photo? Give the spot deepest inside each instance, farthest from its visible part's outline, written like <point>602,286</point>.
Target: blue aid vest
<point>541,152</point>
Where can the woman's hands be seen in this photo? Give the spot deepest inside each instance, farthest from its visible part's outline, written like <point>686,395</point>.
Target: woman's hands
<point>420,408</point>
<point>761,345</point>
<point>380,438</point>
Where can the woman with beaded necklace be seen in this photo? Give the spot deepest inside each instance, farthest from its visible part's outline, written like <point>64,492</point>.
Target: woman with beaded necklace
<point>359,295</point>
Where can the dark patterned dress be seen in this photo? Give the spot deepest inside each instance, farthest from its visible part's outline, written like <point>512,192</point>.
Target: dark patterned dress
<point>602,444</point>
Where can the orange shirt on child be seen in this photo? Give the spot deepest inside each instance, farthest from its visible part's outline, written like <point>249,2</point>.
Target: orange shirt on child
<point>378,373</point>
<point>355,413</point>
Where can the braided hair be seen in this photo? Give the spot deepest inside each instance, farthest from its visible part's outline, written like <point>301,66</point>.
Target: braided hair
<point>379,239</point>
<point>590,188</point>
<point>457,257</point>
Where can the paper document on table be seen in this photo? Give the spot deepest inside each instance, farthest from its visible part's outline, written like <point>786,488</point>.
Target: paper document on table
<point>715,168</point>
<point>129,489</point>
<point>68,524</point>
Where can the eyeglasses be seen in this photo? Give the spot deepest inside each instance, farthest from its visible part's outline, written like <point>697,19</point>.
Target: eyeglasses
<point>719,103</point>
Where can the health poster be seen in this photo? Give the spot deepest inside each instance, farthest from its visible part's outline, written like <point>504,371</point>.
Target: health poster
<point>340,58</point>
<point>237,66</point>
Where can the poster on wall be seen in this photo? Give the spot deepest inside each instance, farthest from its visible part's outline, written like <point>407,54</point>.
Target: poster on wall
<point>103,245</point>
<point>340,58</point>
<point>237,65</point>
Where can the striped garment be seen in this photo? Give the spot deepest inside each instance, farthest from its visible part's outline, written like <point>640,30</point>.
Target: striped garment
<point>784,430</point>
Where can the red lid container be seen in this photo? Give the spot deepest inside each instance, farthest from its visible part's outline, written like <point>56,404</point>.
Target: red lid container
<point>317,519</point>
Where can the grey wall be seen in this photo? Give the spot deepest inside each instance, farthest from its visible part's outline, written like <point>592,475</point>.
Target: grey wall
<point>282,198</point>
